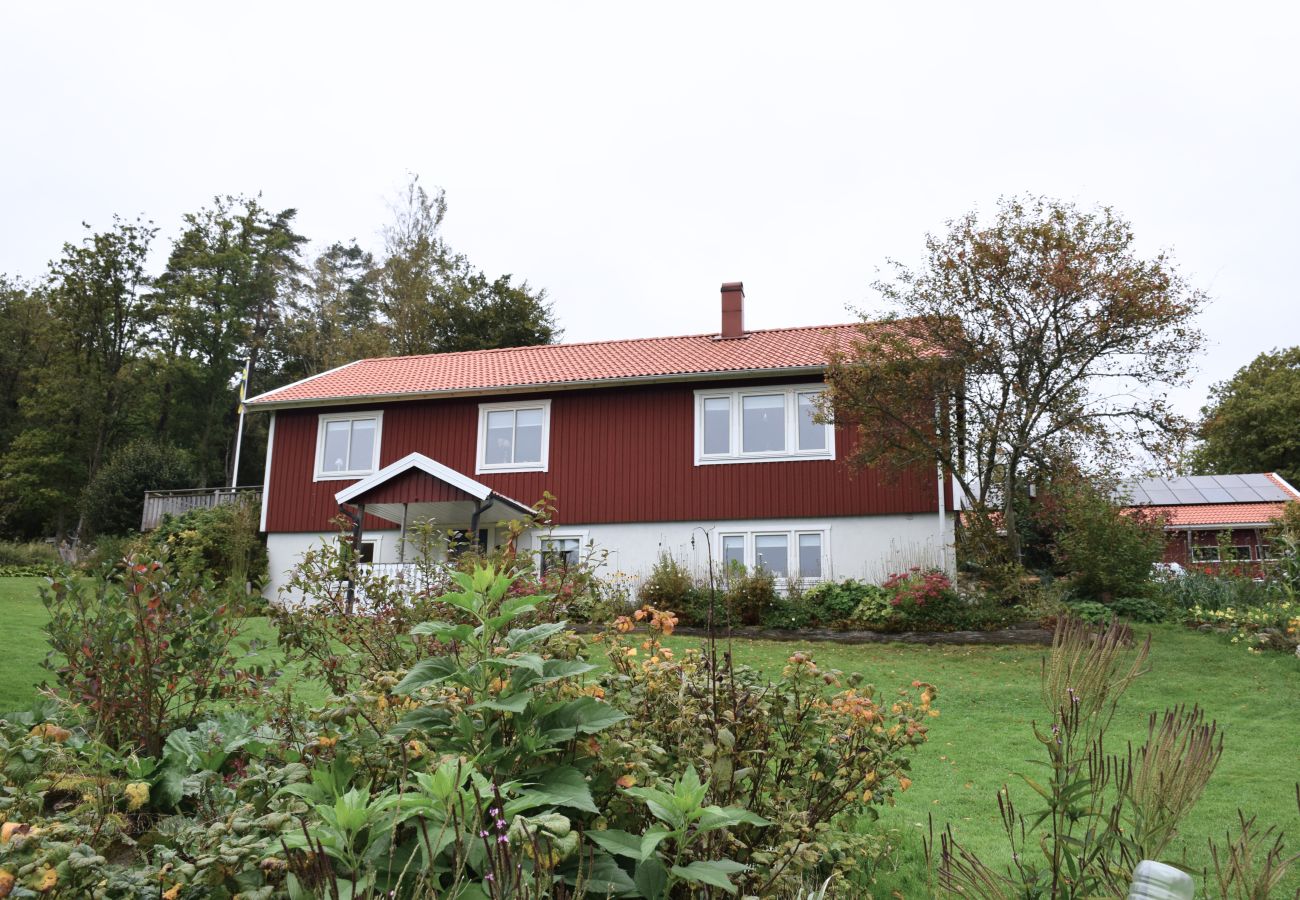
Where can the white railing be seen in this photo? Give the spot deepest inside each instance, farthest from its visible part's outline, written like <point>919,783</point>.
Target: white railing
<point>175,503</point>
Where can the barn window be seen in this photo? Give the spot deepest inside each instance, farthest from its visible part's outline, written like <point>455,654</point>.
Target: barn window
<point>347,445</point>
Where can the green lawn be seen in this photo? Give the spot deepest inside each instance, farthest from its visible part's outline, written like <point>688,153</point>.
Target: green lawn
<point>988,696</point>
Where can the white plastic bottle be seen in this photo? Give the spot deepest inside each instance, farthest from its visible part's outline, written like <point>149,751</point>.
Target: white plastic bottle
<point>1156,881</point>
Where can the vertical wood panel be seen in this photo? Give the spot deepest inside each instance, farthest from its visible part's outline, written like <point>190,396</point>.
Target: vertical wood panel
<point>616,455</point>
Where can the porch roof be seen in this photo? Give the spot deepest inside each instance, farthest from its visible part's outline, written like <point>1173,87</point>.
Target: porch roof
<point>424,489</point>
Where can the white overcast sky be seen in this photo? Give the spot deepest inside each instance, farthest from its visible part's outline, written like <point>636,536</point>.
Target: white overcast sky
<point>630,158</point>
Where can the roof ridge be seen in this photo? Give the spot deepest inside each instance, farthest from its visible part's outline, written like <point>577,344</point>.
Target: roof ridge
<point>644,340</point>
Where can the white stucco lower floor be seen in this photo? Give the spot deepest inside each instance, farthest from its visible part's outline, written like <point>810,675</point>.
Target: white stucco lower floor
<point>863,547</point>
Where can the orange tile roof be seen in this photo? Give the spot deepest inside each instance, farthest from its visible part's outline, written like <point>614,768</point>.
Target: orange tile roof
<point>1194,515</point>
<point>564,365</point>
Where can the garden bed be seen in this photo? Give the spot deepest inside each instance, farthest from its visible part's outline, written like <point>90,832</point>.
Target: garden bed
<point>1023,633</point>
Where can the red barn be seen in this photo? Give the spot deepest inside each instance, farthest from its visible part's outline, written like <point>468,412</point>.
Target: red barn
<point>1211,520</point>
<point>694,446</point>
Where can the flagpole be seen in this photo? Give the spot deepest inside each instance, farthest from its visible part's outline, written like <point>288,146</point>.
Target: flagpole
<point>239,434</point>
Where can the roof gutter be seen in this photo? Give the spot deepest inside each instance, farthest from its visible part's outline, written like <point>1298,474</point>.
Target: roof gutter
<point>728,374</point>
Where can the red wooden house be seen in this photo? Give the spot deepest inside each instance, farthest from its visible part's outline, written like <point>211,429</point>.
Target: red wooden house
<point>695,445</point>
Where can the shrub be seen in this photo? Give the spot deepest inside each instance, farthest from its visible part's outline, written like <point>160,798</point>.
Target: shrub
<point>1140,609</point>
<point>1107,550</point>
<point>834,603</point>
<point>502,763</point>
<point>35,554</point>
<point>347,638</point>
<point>810,752</point>
<point>144,650</point>
<point>108,550</point>
<point>670,585</point>
<point>219,542</point>
<point>923,598</point>
<point>792,610</point>
<point>113,501</point>
<point>874,610</point>
<point>1198,590</point>
<point>1091,611</point>
<point>750,595</point>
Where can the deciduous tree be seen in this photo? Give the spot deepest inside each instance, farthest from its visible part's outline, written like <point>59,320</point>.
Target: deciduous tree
<point>435,301</point>
<point>1038,337</point>
<point>224,288</point>
<point>1252,423</point>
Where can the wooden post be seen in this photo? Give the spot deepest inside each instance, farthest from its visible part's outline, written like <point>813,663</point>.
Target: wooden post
<point>356,556</point>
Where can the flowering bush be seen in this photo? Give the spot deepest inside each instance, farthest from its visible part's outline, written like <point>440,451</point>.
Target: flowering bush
<point>922,597</point>
<point>1271,626</point>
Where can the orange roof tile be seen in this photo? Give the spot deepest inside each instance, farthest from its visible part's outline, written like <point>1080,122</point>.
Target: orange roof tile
<point>477,371</point>
<point>1227,514</point>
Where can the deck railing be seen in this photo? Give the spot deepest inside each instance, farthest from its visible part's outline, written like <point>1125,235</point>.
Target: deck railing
<point>161,503</point>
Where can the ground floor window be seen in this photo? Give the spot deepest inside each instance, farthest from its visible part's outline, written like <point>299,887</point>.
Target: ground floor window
<point>786,554</point>
<point>559,553</point>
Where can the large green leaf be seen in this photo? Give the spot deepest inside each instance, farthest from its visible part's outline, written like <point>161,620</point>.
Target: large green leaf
<point>714,872</point>
<point>605,877</point>
<point>515,703</point>
<point>427,672</point>
<point>555,669</point>
<point>443,631</point>
<point>530,661</point>
<point>618,842</point>
<point>522,637</point>
<point>651,879</point>
<point>586,715</point>
<point>561,786</point>
<point>719,817</point>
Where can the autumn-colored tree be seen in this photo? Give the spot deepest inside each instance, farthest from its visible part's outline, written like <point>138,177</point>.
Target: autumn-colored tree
<point>1252,423</point>
<point>1038,337</point>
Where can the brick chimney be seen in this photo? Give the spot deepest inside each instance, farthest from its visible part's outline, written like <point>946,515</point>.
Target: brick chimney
<point>733,310</point>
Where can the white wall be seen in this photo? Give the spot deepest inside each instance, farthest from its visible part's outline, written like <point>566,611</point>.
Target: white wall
<point>864,547</point>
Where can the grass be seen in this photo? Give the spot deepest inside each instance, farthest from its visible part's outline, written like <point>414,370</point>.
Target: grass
<point>988,697</point>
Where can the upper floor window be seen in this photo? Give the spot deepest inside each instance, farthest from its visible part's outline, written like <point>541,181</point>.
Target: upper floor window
<point>347,445</point>
<point>513,437</point>
<point>761,424</point>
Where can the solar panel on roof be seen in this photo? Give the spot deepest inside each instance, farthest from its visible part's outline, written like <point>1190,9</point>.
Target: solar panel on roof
<point>1203,489</point>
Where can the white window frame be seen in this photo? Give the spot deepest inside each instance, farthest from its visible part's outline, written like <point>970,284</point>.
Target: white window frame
<point>792,550</point>
<point>376,539</point>
<point>481,467</point>
<point>318,474</point>
<point>736,454</point>
<point>542,539</point>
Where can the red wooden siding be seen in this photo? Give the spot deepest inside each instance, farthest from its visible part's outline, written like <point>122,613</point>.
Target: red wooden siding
<point>415,486</point>
<point>616,455</point>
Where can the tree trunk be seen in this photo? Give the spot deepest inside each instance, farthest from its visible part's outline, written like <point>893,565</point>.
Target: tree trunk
<point>1009,518</point>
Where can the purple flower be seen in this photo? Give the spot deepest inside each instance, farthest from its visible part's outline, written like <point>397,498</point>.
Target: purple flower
<point>501,824</point>
<point>489,877</point>
<point>503,839</point>
<point>483,834</point>
<point>494,812</point>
